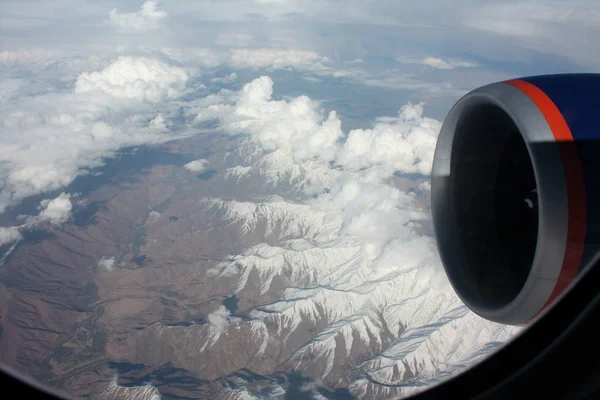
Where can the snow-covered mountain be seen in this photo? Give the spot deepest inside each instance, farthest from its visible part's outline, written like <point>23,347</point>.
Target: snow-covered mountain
<point>385,331</point>
<point>116,392</point>
<point>388,322</point>
<point>341,284</point>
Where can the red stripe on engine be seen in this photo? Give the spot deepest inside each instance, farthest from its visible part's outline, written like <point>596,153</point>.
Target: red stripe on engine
<point>575,184</point>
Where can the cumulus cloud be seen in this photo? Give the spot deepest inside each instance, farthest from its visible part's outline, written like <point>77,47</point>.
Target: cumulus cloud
<point>197,165</point>
<point>139,78</point>
<point>359,198</point>
<point>9,235</point>
<point>106,263</point>
<point>298,127</point>
<point>56,211</point>
<point>405,144</point>
<point>377,214</point>
<point>148,17</point>
<point>219,319</point>
<point>50,138</point>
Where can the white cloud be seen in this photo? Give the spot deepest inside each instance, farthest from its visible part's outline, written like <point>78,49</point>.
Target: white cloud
<point>138,78</point>
<point>226,79</point>
<point>107,263</point>
<point>405,144</point>
<point>153,217</point>
<point>9,235</point>
<point>56,211</point>
<point>312,79</point>
<point>197,165</point>
<point>36,56</point>
<point>148,17</point>
<point>158,122</point>
<point>219,319</point>
<point>154,214</point>
<point>298,127</point>
<point>447,64</point>
<point>438,63</point>
<point>50,138</point>
<point>376,214</point>
<point>274,58</point>
<point>360,198</point>
<point>287,58</point>
<point>255,57</point>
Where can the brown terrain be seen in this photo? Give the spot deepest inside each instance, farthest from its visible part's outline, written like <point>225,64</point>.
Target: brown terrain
<point>76,325</point>
<point>64,318</point>
<point>106,332</point>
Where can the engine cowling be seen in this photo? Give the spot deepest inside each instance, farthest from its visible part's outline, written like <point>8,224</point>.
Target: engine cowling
<point>515,192</point>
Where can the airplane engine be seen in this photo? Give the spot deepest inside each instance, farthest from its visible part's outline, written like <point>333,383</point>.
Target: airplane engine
<point>516,192</point>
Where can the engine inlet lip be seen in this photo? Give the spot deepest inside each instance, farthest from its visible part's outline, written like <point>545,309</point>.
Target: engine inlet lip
<point>552,201</point>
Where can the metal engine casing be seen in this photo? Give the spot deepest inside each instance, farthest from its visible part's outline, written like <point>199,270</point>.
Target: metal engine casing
<point>515,192</point>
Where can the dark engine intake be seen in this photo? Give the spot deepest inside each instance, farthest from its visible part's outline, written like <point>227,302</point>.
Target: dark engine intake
<point>515,192</point>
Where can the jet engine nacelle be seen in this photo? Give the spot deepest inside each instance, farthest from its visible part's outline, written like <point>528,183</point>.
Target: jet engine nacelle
<point>516,192</point>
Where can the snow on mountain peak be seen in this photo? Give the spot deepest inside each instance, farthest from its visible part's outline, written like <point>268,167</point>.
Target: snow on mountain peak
<point>353,257</point>
<point>114,391</point>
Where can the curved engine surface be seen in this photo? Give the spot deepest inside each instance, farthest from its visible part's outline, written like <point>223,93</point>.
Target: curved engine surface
<point>515,184</point>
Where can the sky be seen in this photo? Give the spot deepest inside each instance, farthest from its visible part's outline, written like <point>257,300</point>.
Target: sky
<point>80,80</point>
